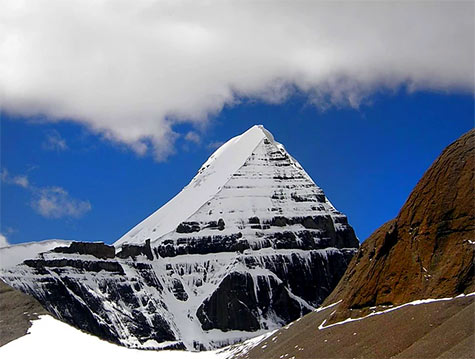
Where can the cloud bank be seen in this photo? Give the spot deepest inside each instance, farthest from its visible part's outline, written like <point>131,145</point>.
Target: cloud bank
<point>130,70</point>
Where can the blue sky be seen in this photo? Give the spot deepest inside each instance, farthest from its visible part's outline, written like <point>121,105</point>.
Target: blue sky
<point>367,160</point>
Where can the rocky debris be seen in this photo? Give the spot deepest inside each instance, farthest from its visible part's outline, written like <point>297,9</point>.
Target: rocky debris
<point>188,227</point>
<point>427,251</point>
<point>178,290</point>
<point>97,249</point>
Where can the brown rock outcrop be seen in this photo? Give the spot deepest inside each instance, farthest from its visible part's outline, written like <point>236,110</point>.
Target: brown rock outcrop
<point>17,310</point>
<point>427,251</point>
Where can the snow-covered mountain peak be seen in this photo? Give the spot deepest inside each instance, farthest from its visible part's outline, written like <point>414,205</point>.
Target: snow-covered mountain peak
<point>211,177</point>
<point>249,245</point>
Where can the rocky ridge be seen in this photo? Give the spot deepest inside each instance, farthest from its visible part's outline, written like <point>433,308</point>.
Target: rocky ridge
<point>427,251</point>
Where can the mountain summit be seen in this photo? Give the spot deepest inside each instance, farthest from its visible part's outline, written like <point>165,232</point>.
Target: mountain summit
<point>250,176</point>
<point>250,244</point>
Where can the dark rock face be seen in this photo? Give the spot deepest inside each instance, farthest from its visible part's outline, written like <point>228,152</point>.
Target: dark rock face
<point>231,306</point>
<point>84,265</point>
<point>317,232</point>
<point>242,297</point>
<point>83,293</point>
<point>235,306</point>
<point>427,251</point>
<point>132,250</point>
<point>98,250</point>
<point>126,301</point>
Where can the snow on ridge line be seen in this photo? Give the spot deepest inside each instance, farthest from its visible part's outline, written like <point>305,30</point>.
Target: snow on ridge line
<point>414,302</point>
<point>227,159</point>
<point>15,254</point>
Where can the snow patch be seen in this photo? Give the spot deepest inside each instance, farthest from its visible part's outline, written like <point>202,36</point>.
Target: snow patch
<point>415,302</point>
<point>53,339</point>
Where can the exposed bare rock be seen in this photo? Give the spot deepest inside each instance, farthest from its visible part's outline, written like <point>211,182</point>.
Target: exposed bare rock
<point>96,249</point>
<point>427,251</point>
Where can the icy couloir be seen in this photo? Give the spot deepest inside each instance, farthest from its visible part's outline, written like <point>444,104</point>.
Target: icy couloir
<point>248,246</point>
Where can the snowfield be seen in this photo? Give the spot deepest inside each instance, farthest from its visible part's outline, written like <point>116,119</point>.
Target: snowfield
<point>52,339</point>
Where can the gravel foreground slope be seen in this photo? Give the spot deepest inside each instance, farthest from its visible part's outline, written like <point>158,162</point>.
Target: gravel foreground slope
<point>442,329</point>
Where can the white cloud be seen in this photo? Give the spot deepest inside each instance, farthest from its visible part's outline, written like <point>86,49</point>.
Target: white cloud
<point>3,241</point>
<point>54,142</point>
<point>193,137</point>
<point>55,202</point>
<point>50,202</point>
<point>130,70</point>
<point>21,180</point>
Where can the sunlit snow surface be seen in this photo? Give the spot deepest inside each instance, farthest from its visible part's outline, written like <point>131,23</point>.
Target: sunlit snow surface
<point>53,339</point>
<point>214,173</point>
<point>236,176</point>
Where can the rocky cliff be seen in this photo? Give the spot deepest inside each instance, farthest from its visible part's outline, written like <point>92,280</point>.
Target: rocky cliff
<point>251,244</point>
<point>427,251</point>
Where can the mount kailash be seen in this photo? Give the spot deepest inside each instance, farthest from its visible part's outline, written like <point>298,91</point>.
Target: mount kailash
<point>249,245</point>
